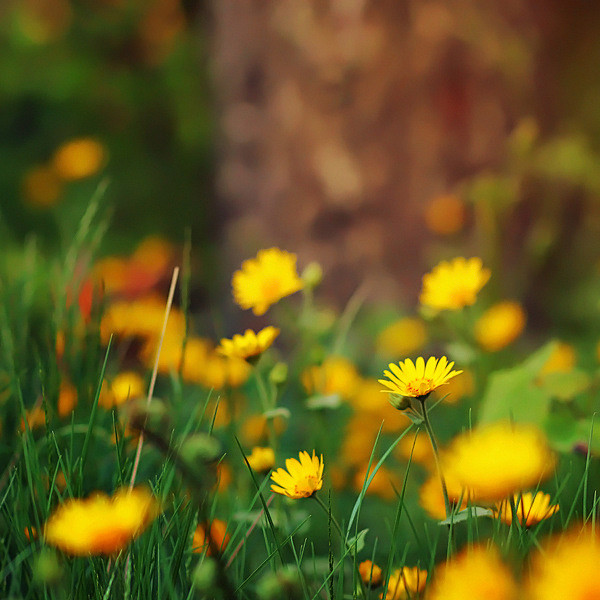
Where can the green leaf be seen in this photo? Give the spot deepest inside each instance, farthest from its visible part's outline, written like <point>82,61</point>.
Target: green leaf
<point>472,512</point>
<point>358,541</point>
<point>330,401</point>
<point>513,393</point>
<point>564,431</point>
<point>565,386</point>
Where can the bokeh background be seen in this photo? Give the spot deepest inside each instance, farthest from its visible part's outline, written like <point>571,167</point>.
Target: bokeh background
<point>376,137</point>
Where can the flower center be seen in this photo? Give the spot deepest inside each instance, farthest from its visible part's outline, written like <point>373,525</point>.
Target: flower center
<point>420,387</point>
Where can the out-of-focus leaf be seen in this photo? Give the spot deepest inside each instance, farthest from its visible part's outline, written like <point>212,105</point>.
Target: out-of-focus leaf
<point>358,541</point>
<point>565,386</point>
<point>473,512</point>
<point>513,393</point>
<point>330,401</point>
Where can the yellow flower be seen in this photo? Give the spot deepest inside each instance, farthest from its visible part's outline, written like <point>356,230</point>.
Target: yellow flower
<point>402,337</point>
<point>337,375</point>
<point>79,158</point>
<point>476,574</point>
<point>418,379</point>
<point>453,285</point>
<point>457,388</point>
<point>381,485</point>
<point>406,582</point>
<point>370,573</point>
<point>218,536</point>
<point>498,460</point>
<point>124,387</point>
<point>530,508</point>
<point>567,567</point>
<point>261,459</point>
<point>302,479</point>
<point>445,214</point>
<point>418,451</point>
<point>500,325</point>
<point>99,524</point>
<point>562,359</point>
<point>42,187</point>
<point>266,279</point>
<point>431,496</point>
<point>67,399</point>
<point>250,345</point>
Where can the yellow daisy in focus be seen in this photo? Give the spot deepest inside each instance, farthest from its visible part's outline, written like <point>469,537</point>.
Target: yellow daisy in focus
<point>567,567</point>
<point>407,582</point>
<point>500,325</point>
<point>498,460</point>
<point>454,285</point>
<point>266,279</point>
<point>418,379</point>
<point>250,345</point>
<point>530,509</point>
<point>261,459</point>
<point>99,524</point>
<point>302,479</point>
<point>476,574</point>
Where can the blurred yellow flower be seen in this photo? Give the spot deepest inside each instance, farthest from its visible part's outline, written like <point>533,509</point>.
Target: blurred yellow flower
<point>336,375</point>
<point>217,535</point>
<point>143,318</point>
<point>250,345</point>
<point>476,574</point>
<point>302,479</point>
<point>418,451</point>
<point>36,417</point>
<point>445,214</point>
<point>566,567</point>
<point>418,379</point>
<point>79,158</point>
<point>261,459</point>
<point>266,279</point>
<point>457,388</point>
<point>402,337</point>
<point>530,508</point>
<point>371,412</point>
<point>255,430</point>
<point>500,325</point>
<point>99,524</point>
<point>370,573</point>
<point>41,187</point>
<point>124,387</point>
<point>381,485</point>
<point>454,285</point>
<point>405,583</point>
<point>431,496</point>
<point>562,359</point>
<point>495,461</point>
<point>67,399</point>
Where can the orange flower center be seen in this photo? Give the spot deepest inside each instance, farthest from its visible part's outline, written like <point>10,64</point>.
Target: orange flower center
<point>419,387</point>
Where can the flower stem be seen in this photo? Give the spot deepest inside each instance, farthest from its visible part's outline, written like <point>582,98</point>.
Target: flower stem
<point>333,520</point>
<point>436,455</point>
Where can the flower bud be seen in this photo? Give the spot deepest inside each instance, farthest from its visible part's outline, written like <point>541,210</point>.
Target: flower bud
<point>279,374</point>
<point>312,275</point>
<point>284,584</point>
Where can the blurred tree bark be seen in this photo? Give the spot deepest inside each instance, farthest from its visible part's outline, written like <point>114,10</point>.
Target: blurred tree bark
<point>341,119</point>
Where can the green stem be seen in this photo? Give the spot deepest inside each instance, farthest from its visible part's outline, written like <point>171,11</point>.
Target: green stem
<point>343,538</point>
<point>266,406</point>
<point>436,456</point>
